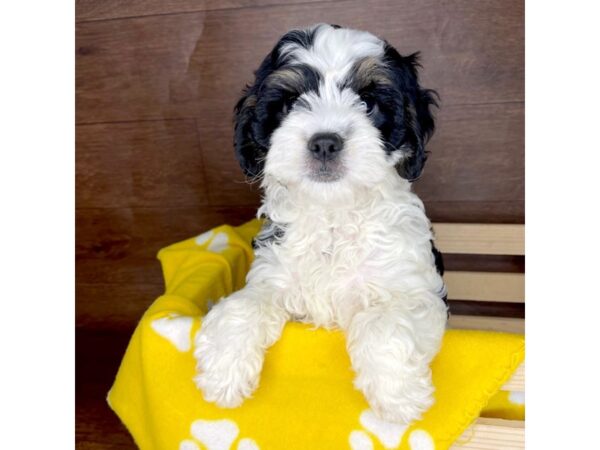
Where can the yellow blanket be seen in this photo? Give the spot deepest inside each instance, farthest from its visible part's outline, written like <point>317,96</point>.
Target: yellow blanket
<point>306,399</point>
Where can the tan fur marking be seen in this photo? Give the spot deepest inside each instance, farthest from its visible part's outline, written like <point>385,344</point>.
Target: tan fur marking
<point>369,70</point>
<point>287,78</point>
<point>250,102</point>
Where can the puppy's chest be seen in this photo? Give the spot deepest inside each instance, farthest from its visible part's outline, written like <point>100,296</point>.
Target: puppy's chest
<point>329,257</point>
<point>323,240</point>
<point>336,270</point>
<point>327,270</point>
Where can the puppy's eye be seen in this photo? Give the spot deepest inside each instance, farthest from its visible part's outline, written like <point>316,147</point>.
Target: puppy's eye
<point>368,103</point>
<point>288,104</point>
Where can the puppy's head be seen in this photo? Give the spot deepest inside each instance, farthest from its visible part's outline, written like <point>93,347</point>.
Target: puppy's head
<point>334,108</point>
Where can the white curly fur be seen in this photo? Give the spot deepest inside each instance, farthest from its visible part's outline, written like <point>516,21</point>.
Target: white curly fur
<point>356,255</point>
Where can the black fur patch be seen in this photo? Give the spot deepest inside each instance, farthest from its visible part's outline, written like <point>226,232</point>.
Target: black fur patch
<point>439,265</point>
<point>276,97</point>
<point>266,102</point>
<point>271,233</point>
<point>303,38</point>
<point>398,106</point>
<point>414,113</point>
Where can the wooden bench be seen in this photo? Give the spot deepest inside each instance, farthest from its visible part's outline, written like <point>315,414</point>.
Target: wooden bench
<point>484,239</point>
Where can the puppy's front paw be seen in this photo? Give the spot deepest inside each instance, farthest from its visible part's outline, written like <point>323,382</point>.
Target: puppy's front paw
<point>226,394</point>
<point>227,371</point>
<point>400,399</point>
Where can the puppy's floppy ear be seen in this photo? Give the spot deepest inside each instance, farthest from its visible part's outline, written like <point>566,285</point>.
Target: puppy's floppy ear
<point>417,119</point>
<point>253,125</point>
<point>249,152</point>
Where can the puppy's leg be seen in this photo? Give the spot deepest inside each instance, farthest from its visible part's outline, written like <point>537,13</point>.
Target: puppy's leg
<point>230,346</point>
<point>391,346</point>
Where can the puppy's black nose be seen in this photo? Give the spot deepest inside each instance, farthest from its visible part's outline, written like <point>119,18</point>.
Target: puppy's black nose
<point>325,146</point>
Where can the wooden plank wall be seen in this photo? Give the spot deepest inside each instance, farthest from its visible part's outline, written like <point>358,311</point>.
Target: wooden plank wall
<point>156,82</point>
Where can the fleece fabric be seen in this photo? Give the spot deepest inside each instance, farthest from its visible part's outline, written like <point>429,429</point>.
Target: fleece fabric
<point>306,399</point>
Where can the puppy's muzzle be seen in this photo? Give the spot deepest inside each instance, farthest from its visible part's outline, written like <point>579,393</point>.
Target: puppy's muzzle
<point>325,146</point>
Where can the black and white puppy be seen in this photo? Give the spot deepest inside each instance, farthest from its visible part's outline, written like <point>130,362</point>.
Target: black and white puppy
<point>335,127</point>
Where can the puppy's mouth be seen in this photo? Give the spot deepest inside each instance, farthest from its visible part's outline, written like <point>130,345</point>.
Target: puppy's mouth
<point>325,171</point>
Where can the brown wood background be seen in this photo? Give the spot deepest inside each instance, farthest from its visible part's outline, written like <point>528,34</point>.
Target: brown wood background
<point>156,82</point>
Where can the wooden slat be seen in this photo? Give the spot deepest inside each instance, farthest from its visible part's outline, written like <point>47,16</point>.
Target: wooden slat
<point>86,10</point>
<point>463,209</point>
<point>517,381</point>
<point>484,263</point>
<point>492,434</point>
<point>467,179</point>
<point>152,163</point>
<point>477,308</point>
<point>114,306</point>
<point>486,286</point>
<point>486,239</point>
<point>506,324</point>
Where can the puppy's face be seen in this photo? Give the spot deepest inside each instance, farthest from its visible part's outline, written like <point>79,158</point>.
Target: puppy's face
<point>333,109</point>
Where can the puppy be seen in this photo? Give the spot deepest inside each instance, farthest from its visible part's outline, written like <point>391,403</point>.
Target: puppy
<point>335,127</point>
